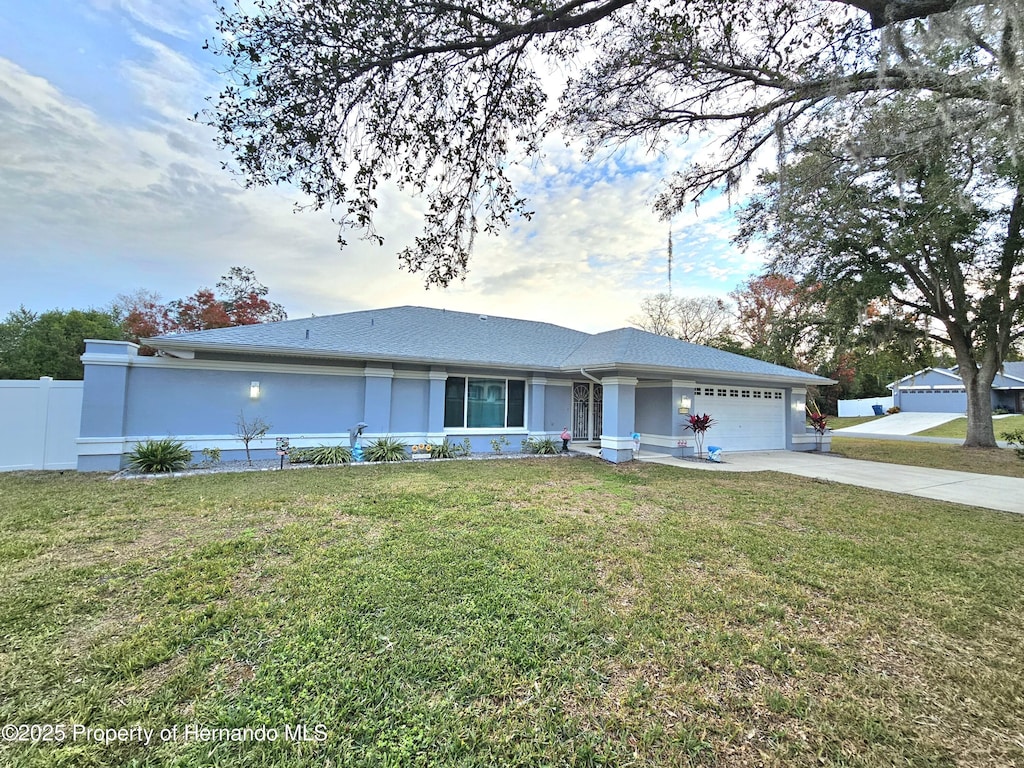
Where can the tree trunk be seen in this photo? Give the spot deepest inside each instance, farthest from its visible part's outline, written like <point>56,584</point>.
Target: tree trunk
<point>980,430</point>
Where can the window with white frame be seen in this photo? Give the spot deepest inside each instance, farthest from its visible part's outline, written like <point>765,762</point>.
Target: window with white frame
<point>484,403</point>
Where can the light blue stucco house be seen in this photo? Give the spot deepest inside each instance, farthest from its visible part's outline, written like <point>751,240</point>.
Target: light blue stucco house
<point>421,375</point>
<point>941,390</point>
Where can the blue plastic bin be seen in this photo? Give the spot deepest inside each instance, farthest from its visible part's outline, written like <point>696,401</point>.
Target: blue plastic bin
<point>879,410</point>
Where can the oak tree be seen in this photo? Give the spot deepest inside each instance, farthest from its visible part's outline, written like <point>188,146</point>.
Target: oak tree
<point>904,205</point>
<point>441,98</point>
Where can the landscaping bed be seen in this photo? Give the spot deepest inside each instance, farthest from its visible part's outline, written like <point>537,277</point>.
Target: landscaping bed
<point>273,465</point>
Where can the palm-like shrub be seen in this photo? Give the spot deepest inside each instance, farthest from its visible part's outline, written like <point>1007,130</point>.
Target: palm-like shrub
<point>321,455</point>
<point>442,450</point>
<point>699,425</point>
<point>167,455</point>
<point>542,445</point>
<point>819,421</point>
<point>385,449</point>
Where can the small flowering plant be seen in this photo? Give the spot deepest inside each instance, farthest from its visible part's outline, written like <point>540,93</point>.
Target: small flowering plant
<point>699,425</point>
<point>819,421</point>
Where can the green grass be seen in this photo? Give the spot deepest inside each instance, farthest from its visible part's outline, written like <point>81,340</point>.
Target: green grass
<point>985,461</point>
<point>958,427</point>
<point>835,422</point>
<point>520,613</point>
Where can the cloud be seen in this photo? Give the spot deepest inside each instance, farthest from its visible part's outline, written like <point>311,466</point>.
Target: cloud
<point>122,207</point>
<point>91,207</point>
<point>166,83</point>
<point>181,18</point>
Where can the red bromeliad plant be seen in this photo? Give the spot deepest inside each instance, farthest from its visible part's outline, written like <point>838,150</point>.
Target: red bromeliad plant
<point>819,421</point>
<point>699,425</point>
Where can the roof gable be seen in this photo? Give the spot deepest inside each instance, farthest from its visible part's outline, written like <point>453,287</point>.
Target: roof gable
<point>1016,370</point>
<point>928,377</point>
<point>942,377</point>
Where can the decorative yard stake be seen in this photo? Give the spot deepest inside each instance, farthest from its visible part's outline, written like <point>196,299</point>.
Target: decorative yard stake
<point>699,425</point>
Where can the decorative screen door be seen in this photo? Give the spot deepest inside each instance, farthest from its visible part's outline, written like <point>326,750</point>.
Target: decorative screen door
<point>587,411</point>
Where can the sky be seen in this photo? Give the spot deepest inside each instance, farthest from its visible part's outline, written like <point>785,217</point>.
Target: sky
<point>107,187</point>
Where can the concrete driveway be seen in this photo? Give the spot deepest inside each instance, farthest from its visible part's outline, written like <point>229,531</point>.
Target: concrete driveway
<point>899,424</point>
<point>987,491</point>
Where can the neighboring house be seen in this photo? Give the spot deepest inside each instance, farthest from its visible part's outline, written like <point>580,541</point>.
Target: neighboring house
<point>941,390</point>
<point>425,374</point>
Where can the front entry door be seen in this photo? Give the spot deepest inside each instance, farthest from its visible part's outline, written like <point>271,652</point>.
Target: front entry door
<point>587,411</point>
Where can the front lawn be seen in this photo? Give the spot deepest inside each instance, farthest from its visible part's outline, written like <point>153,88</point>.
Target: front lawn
<point>986,461</point>
<point>518,613</point>
<point>958,427</point>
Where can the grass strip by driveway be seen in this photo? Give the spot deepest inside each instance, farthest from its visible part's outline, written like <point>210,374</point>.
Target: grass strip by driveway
<point>521,613</point>
<point>841,422</point>
<point>958,427</point>
<point>986,461</point>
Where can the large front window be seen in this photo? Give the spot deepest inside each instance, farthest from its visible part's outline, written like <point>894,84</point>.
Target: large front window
<point>478,403</point>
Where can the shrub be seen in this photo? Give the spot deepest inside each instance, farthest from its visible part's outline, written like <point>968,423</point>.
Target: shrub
<point>385,449</point>
<point>699,425</point>
<point>819,421</point>
<point>248,431</point>
<point>465,448</point>
<point>322,454</point>
<point>167,455</point>
<point>543,445</point>
<point>1016,441</point>
<point>211,456</point>
<point>499,443</point>
<point>443,450</point>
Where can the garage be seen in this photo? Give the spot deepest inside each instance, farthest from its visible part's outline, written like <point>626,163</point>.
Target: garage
<point>748,418</point>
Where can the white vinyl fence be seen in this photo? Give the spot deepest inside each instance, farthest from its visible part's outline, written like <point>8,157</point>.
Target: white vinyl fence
<point>39,424</point>
<point>863,407</point>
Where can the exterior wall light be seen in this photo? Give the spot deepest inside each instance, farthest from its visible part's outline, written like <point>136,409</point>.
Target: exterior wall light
<point>254,390</point>
<point>684,404</point>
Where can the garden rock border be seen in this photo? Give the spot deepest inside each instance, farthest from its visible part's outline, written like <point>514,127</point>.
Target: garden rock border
<point>274,465</point>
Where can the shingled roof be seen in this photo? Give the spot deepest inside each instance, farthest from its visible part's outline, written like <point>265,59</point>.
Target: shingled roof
<point>441,337</point>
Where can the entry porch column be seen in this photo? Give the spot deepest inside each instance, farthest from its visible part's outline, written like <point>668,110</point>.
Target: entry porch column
<point>619,418</point>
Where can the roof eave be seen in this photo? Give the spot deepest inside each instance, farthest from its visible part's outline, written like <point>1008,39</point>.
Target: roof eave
<point>328,354</point>
<point>674,372</point>
<point>182,345</point>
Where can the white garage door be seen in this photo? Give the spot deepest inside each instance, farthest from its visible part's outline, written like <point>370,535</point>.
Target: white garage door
<point>749,419</point>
